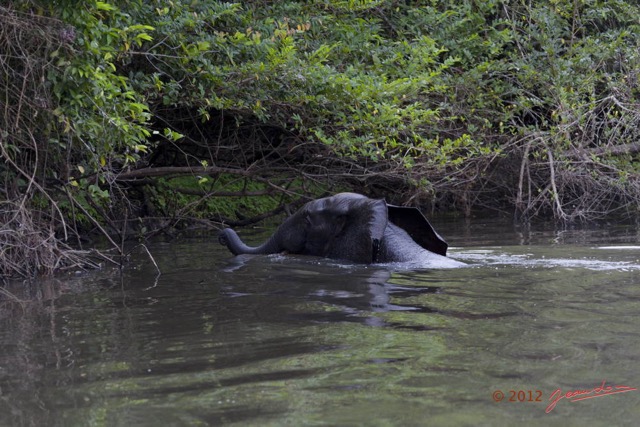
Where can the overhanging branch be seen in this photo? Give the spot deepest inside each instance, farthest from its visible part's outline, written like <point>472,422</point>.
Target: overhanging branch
<point>179,170</point>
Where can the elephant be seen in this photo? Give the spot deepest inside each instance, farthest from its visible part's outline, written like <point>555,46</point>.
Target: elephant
<point>353,227</point>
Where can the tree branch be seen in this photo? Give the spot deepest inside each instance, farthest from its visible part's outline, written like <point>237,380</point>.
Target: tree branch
<point>179,170</point>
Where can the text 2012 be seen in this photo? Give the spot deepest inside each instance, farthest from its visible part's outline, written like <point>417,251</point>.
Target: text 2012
<point>518,396</point>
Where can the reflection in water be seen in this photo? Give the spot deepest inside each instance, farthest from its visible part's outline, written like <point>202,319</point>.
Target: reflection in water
<point>278,340</point>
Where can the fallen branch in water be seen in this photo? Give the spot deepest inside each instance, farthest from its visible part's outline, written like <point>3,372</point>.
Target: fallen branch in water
<point>27,248</point>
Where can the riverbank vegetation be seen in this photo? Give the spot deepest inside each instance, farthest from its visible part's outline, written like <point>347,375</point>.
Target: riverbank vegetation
<point>130,118</point>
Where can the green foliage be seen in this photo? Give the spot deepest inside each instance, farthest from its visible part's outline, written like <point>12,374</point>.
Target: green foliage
<point>97,106</point>
<point>431,94</point>
<point>195,197</point>
<point>293,64</point>
<point>507,104</point>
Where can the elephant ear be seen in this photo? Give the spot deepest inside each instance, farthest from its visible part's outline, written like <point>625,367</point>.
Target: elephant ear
<point>418,227</point>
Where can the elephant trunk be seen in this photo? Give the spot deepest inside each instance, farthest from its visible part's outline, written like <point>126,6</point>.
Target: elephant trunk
<point>231,240</point>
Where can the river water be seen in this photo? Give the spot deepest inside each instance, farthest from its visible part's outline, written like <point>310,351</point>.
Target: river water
<point>284,340</point>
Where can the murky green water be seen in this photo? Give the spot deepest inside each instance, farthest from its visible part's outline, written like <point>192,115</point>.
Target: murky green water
<point>299,341</point>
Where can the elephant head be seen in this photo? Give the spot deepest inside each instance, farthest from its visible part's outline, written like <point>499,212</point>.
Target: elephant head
<point>346,226</point>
